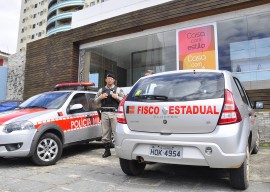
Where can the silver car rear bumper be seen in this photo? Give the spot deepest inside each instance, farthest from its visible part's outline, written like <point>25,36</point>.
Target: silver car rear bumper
<point>227,148</point>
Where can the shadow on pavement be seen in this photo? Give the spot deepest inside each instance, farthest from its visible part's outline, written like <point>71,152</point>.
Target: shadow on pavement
<point>69,151</point>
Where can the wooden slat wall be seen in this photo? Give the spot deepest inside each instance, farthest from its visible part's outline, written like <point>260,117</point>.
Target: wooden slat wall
<point>55,59</point>
<point>262,95</point>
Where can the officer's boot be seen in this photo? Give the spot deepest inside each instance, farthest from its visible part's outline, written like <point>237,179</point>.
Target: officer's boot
<point>107,152</point>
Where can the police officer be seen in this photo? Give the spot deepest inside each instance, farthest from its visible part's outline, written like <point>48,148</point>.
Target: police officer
<point>149,72</point>
<point>109,97</point>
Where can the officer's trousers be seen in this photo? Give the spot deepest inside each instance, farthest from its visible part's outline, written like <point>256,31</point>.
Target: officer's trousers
<point>108,123</point>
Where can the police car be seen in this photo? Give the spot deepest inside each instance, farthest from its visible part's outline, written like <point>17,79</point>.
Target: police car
<point>193,117</point>
<point>47,122</point>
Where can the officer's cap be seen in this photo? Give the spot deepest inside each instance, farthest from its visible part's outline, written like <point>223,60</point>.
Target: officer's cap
<point>110,75</point>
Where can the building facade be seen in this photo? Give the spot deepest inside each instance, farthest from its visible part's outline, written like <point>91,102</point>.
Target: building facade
<point>90,3</point>
<point>41,18</point>
<point>148,38</point>
<point>3,74</point>
<point>33,20</point>
<point>60,14</point>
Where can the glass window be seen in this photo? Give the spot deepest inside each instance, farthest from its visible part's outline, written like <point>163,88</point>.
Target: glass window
<point>93,106</point>
<point>53,100</point>
<point>241,91</point>
<point>92,3</point>
<point>129,59</point>
<point>179,87</point>
<point>79,98</point>
<point>244,48</point>
<point>229,32</point>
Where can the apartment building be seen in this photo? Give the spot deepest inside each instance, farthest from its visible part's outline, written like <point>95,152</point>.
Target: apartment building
<point>33,20</point>
<point>41,18</point>
<point>90,3</point>
<point>60,14</point>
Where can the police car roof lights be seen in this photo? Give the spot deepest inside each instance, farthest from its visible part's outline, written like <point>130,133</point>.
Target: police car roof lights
<point>76,85</point>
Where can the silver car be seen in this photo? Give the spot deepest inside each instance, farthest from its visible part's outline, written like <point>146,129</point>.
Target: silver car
<point>188,117</point>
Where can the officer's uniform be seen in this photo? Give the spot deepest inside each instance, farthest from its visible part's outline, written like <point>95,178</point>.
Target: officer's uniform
<point>108,111</point>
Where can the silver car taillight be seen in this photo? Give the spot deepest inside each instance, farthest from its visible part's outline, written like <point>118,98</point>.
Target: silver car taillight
<point>121,118</point>
<point>230,113</point>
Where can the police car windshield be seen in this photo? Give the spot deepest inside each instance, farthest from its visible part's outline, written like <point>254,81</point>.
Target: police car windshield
<point>52,100</point>
<point>179,87</point>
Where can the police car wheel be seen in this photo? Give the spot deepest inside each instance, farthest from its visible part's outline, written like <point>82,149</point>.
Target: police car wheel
<point>48,150</point>
<point>131,167</point>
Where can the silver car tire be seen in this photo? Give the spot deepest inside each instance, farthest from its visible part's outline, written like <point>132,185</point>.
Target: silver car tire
<point>112,140</point>
<point>239,177</point>
<point>257,144</point>
<point>131,167</point>
<point>48,150</point>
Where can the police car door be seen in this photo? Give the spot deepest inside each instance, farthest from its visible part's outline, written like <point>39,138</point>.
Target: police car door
<point>81,120</point>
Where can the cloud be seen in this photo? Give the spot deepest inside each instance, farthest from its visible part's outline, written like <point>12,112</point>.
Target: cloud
<point>9,22</point>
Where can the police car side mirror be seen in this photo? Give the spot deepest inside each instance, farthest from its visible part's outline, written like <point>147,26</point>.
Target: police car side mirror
<point>75,107</point>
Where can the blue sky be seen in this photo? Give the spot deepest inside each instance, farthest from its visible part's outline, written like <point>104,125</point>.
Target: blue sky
<point>9,24</point>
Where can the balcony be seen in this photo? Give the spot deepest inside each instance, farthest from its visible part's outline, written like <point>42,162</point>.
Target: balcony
<point>59,17</point>
<point>58,29</point>
<point>65,3</point>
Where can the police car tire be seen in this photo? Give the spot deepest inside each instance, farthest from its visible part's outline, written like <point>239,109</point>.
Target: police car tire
<point>57,144</point>
<point>239,177</point>
<point>131,167</point>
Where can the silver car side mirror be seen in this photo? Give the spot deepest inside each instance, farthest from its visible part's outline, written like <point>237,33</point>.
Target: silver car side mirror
<point>259,105</point>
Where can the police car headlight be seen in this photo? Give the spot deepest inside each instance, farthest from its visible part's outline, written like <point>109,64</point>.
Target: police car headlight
<point>17,126</point>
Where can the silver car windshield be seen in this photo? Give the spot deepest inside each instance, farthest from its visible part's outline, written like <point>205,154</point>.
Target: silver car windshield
<point>51,100</point>
<point>179,87</point>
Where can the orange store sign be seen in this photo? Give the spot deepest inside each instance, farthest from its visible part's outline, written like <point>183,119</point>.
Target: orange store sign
<point>197,48</point>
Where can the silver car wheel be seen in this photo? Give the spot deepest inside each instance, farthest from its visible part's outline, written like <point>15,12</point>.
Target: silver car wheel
<point>113,138</point>
<point>247,161</point>
<point>47,149</point>
<point>239,177</point>
<point>258,141</point>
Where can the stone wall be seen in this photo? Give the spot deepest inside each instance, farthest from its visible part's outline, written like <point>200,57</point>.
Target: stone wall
<point>15,82</point>
<point>263,118</point>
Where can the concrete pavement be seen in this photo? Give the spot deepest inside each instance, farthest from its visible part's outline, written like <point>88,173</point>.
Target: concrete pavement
<point>81,168</point>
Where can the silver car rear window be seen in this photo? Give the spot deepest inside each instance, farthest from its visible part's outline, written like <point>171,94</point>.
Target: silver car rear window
<point>179,87</point>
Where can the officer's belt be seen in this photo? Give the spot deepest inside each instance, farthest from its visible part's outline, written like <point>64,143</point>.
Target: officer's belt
<point>108,110</point>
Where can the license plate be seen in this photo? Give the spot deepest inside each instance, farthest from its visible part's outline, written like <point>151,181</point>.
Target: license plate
<point>166,151</point>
